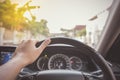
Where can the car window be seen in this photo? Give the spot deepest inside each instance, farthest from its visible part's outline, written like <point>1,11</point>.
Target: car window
<point>83,20</point>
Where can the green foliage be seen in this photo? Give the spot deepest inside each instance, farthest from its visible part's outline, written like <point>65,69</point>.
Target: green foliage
<point>11,16</point>
<point>13,19</point>
<point>37,28</point>
<point>81,32</point>
<point>7,13</point>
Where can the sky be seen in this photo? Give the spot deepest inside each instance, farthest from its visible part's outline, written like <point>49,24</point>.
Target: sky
<point>65,13</point>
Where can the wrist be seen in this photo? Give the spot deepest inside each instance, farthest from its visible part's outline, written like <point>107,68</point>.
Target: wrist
<point>19,60</point>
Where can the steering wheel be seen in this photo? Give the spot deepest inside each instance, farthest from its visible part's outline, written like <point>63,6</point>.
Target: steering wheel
<point>75,75</point>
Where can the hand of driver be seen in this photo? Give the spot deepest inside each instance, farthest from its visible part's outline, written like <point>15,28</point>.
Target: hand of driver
<point>28,53</point>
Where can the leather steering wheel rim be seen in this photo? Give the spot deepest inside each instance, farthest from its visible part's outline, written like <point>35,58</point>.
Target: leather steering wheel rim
<point>99,60</point>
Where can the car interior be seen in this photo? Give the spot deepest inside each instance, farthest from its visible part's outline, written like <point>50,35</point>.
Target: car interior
<point>69,59</point>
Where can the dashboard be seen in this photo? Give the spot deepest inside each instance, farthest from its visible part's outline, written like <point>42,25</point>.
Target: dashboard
<point>55,57</point>
<point>5,57</point>
<point>59,57</point>
<point>77,57</point>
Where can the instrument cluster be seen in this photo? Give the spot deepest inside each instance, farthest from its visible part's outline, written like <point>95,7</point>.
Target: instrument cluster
<point>59,61</point>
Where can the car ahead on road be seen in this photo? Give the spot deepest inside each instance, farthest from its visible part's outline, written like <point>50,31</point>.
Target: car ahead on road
<point>70,59</point>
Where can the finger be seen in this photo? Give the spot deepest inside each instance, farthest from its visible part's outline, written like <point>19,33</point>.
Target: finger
<point>43,45</point>
<point>35,41</point>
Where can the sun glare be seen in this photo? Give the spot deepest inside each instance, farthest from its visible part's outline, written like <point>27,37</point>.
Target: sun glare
<point>27,15</point>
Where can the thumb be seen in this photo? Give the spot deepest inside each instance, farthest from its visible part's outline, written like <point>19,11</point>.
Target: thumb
<point>43,45</point>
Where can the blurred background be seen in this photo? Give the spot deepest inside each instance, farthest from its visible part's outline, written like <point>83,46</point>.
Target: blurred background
<point>83,20</point>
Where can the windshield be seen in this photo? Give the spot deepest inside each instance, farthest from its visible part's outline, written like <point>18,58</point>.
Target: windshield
<point>83,20</point>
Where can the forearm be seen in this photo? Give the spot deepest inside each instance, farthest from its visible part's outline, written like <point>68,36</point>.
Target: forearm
<point>26,53</point>
<point>10,70</point>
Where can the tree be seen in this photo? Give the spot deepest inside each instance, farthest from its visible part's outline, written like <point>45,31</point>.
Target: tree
<point>81,32</point>
<point>37,28</point>
<point>13,19</point>
<point>7,14</point>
